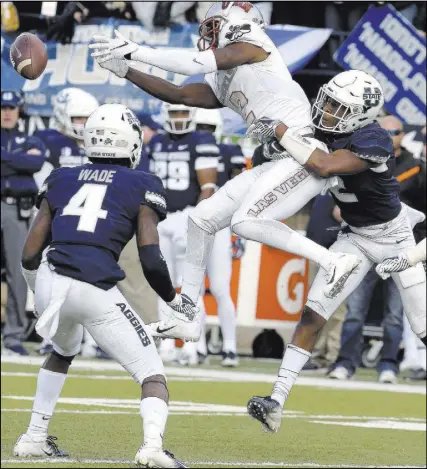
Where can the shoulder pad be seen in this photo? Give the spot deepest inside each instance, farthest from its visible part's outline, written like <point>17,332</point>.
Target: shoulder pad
<point>372,143</point>
<point>242,31</point>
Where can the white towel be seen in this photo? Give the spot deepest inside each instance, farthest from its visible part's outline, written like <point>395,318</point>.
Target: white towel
<point>48,322</point>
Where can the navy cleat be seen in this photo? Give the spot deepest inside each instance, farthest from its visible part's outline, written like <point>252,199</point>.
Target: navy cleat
<point>267,411</point>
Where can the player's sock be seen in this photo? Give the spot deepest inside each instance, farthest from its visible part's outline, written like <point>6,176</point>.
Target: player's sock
<point>154,413</point>
<point>199,247</point>
<point>278,235</point>
<point>227,320</point>
<point>49,386</point>
<point>293,362</point>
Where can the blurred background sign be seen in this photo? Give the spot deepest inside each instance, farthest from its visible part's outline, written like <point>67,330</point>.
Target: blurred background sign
<point>386,45</point>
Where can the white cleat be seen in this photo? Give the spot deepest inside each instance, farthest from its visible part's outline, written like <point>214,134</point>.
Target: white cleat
<point>25,447</point>
<point>183,323</point>
<point>387,377</point>
<point>339,271</point>
<point>156,457</point>
<point>340,373</point>
<point>229,360</point>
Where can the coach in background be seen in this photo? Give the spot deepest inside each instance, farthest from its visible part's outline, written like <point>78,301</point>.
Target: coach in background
<point>21,157</point>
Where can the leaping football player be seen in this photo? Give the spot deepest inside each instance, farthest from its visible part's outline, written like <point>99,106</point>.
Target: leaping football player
<point>245,72</point>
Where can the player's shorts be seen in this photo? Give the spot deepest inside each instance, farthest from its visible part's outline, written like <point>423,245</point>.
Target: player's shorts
<point>67,305</point>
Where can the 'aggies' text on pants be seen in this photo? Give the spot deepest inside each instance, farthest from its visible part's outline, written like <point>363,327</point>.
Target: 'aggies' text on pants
<point>135,323</point>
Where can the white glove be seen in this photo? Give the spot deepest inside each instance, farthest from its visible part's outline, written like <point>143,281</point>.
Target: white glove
<point>118,66</point>
<point>107,48</point>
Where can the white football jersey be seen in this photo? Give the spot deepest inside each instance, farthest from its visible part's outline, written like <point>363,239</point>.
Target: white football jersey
<point>263,89</point>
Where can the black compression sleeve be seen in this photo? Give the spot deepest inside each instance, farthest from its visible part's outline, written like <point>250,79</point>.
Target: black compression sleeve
<point>156,271</point>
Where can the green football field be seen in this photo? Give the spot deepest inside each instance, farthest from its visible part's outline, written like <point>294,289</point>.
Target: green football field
<point>359,423</point>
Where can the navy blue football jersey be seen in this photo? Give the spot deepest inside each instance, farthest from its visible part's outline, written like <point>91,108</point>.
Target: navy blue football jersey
<point>62,150</point>
<point>94,214</point>
<point>231,157</point>
<point>176,163</point>
<point>372,196</point>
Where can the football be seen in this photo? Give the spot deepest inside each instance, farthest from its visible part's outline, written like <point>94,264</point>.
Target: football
<point>28,56</point>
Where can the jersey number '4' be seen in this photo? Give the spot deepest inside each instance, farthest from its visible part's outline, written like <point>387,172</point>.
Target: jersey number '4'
<point>340,192</point>
<point>86,204</point>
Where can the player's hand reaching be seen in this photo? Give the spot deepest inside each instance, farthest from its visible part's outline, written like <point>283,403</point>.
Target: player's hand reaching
<point>392,265</point>
<point>118,66</point>
<point>112,48</point>
<point>263,129</point>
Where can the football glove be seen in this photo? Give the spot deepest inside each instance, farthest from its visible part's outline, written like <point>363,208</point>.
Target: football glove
<point>272,151</point>
<point>263,129</point>
<point>391,265</point>
<point>112,48</point>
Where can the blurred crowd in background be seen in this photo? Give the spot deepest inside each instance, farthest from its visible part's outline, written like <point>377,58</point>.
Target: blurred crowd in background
<point>370,329</point>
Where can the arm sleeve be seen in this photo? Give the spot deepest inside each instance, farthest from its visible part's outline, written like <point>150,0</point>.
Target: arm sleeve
<point>183,61</point>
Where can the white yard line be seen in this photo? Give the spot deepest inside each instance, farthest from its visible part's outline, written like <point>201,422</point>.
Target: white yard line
<point>198,463</point>
<point>234,376</point>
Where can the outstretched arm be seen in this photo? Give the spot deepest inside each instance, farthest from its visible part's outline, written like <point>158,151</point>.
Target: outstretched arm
<point>193,94</point>
<point>183,61</point>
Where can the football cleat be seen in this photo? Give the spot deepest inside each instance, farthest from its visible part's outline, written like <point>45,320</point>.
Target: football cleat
<point>339,272</point>
<point>391,265</point>
<point>156,457</point>
<point>25,447</point>
<point>267,411</point>
<point>183,323</point>
<point>229,360</point>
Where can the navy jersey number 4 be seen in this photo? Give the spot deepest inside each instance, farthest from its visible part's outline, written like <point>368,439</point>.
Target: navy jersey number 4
<point>95,209</point>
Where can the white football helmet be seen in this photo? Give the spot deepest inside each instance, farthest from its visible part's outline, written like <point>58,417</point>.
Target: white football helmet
<point>69,103</point>
<point>219,14</point>
<point>355,99</point>
<point>211,117</point>
<point>113,131</point>
<point>178,125</point>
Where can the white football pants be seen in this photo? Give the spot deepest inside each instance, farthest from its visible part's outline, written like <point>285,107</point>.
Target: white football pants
<point>68,305</point>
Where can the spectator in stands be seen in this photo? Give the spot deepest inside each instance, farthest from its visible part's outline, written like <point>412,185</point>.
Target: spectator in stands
<point>323,227</point>
<point>21,158</point>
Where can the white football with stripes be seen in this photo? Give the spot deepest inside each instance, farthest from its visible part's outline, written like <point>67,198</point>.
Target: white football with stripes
<point>28,55</point>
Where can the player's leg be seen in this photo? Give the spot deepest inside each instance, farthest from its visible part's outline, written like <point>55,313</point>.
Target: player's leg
<point>318,309</point>
<point>210,216</point>
<point>66,345</point>
<point>112,323</point>
<point>278,194</point>
<point>219,272</point>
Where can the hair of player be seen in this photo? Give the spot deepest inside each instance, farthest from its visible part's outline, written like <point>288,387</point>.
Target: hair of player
<point>113,161</point>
